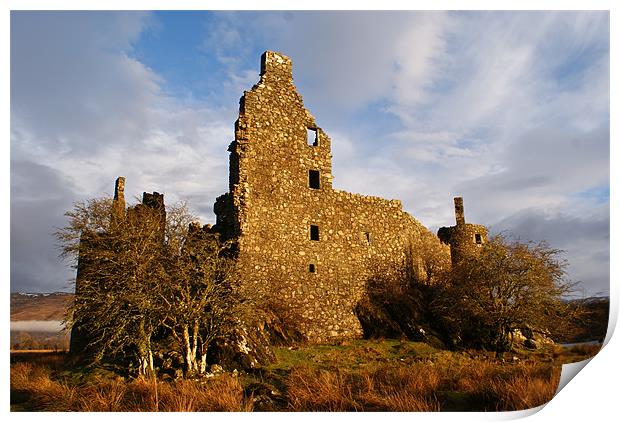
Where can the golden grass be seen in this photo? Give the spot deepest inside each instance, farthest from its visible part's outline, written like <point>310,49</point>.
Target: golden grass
<point>107,397</point>
<point>311,389</point>
<point>222,394</point>
<point>386,388</point>
<point>522,392</point>
<point>430,381</point>
<point>43,393</point>
<point>585,350</point>
<point>402,388</point>
<point>504,387</point>
<point>32,386</point>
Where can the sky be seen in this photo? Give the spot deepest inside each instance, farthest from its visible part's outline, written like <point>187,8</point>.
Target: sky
<point>509,110</point>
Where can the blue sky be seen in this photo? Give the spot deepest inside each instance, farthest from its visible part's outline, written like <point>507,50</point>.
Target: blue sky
<point>508,109</point>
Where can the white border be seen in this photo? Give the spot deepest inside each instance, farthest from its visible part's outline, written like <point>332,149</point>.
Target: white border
<point>589,396</point>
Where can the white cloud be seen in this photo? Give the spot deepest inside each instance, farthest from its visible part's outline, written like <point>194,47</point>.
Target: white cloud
<point>88,113</point>
<point>509,110</point>
<point>73,87</point>
<point>421,53</point>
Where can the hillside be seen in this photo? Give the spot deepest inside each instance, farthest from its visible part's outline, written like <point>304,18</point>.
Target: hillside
<point>39,306</point>
<point>593,325</point>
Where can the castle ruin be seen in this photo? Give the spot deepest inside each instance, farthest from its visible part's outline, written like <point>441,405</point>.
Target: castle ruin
<point>302,243</point>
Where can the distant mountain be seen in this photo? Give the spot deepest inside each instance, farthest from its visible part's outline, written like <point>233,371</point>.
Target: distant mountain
<point>39,306</point>
<point>594,301</point>
<point>587,300</point>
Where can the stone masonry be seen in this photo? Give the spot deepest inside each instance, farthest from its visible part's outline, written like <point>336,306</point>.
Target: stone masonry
<point>302,244</point>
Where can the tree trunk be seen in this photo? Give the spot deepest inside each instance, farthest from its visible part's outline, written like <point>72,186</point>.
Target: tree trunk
<point>195,344</point>
<point>203,363</point>
<point>145,354</point>
<point>189,360</point>
<point>145,360</point>
<point>190,346</point>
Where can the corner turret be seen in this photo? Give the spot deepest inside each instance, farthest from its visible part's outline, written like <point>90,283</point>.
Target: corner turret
<point>464,239</point>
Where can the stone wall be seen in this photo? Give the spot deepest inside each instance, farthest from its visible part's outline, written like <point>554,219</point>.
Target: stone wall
<point>274,201</point>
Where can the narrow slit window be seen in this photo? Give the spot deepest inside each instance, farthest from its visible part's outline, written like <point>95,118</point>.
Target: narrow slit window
<point>478,239</point>
<point>312,268</point>
<point>314,179</point>
<point>367,237</point>
<point>314,232</point>
<point>312,136</point>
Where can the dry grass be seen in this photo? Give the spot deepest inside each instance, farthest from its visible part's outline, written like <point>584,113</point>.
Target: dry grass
<point>386,388</point>
<point>522,392</point>
<point>33,382</point>
<point>107,397</point>
<point>504,387</point>
<point>222,394</point>
<point>585,350</point>
<point>310,389</point>
<point>33,389</point>
<point>402,388</point>
<point>380,377</point>
<point>486,385</point>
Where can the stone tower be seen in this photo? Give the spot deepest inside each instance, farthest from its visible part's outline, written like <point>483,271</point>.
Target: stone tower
<point>465,239</point>
<point>303,246</point>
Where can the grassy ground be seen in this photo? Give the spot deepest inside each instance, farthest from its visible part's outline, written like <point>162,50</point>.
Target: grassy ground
<point>363,375</point>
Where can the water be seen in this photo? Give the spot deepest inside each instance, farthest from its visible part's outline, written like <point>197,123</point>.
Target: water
<point>37,326</point>
<point>583,343</point>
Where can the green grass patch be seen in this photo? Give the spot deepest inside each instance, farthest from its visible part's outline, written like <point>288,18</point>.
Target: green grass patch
<point>351,355</point>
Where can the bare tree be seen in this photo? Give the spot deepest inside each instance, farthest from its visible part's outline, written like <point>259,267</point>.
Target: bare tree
<point>507,286</point>
<point>199,303</point>
<point>137,275</point>
<point>119,264</point>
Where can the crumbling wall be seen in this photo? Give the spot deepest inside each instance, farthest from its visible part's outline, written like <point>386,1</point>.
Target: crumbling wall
<point>276,197</point>
<point>137,214</point>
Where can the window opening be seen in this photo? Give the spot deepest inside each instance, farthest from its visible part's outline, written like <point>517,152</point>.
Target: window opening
<point>312,137</point>
<point>314,179</point>
<point>314,232</point>
<point>312,268</point>
<point>367,237</point>
<point>478,239</point>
